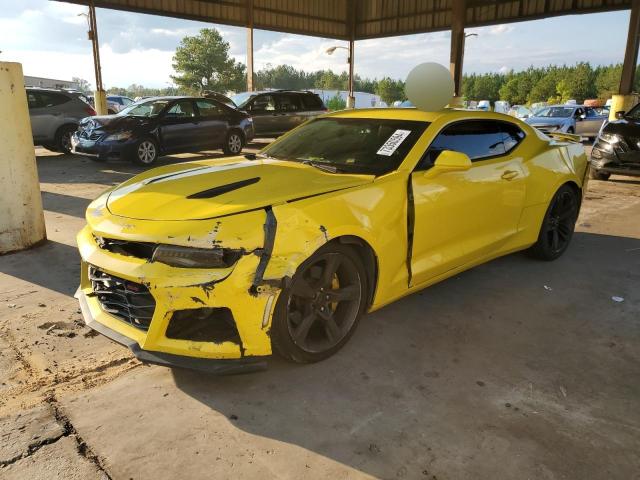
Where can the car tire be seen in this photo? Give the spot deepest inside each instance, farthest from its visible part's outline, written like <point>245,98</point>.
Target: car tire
<point>557,226</point>
<point>145,152</point>
<point>571,130</point>
<point>63,138</point>
<point>596,175</point>
<point>307,326</point>
<point>234,143</point>
<point>51,147</point>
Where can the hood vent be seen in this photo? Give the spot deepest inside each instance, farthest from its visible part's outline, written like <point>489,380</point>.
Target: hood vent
<point>215,191</point>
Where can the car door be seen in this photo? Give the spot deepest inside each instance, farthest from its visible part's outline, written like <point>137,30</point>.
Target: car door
<point>461,216</point>
<point>46,115</point>
<point>289,107</point>
<point>38,117</point>
<point>265,117</point>
<point>213,123</point>
<point>580,122</point>
<point>592,122</point>
<point>179,127</point>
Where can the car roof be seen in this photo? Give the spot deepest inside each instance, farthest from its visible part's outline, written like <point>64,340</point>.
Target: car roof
<point>260,92</point>
<point>415,114</point>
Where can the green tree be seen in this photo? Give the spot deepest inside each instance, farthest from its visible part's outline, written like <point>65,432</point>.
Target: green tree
<point>608,80</point>
<point>83,85</point>
<point>203,63</point>
<point>390,90</point>
<point>336,103</point>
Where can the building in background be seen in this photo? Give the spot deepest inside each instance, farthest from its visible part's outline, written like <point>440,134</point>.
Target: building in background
<point>49,83</point>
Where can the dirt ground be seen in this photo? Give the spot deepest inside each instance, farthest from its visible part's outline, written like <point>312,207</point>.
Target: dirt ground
<point>514,370</point>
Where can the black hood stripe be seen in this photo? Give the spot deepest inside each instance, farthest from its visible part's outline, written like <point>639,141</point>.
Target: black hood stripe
<point>215,191</point>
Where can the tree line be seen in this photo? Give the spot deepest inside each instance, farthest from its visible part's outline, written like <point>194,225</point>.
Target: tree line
<point>202,62</point>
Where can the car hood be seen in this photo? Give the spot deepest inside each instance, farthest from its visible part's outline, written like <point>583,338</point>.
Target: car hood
<point>546,120</point>
<point>199,190</point>
<point>114,123</point>
<point>626,127</point>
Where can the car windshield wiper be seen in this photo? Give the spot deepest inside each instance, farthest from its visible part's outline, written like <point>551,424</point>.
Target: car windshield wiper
<point>319,166</point>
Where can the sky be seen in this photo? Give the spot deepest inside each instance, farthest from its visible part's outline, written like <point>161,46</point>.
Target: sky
<point>49,39</point>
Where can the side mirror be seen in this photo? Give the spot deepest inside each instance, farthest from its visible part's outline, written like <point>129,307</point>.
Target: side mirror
<point>620,115</point>
<point>450,161</point>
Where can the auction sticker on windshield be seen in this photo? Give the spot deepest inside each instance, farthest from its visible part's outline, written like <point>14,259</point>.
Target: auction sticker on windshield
<point>393,142</point>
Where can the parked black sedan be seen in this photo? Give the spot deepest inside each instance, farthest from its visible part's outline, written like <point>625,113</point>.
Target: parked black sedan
<point>617,148</point>
<point>162,125</point>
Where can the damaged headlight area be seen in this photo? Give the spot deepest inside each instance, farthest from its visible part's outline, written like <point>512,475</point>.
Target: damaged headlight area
<point>188,257</point>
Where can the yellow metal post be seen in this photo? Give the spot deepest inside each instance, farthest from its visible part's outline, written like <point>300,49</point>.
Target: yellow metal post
<point>21,216</point>
<point>250,86</point>
<point>458,12</point>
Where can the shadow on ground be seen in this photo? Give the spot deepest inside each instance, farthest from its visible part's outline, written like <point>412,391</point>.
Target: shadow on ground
<point>515,366</point>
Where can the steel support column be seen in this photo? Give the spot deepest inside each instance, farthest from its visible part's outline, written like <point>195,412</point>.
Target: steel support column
<point>626,99</point>
<point>100,97</point>
<point>458,12</point>
<point>250,86</point>
<point>351,99</point>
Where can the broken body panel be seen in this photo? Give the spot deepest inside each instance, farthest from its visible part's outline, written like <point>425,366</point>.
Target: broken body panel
<point>420,227</point>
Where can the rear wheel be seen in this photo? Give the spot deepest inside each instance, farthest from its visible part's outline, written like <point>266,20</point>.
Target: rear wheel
<point>63,138</point>
<point>319,311</point>
<point>596,175</point>
<point>557,226</point>
<point>146,152</point>
<point>233,143</point>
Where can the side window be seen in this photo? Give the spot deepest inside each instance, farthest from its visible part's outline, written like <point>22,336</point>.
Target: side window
<point>311,101</point>
<point>289,102</point>
<point>263,103</point>
<point>479,139</point>
<point>49,99</point>
<point>32,99</point>
<point>591,112</point>
<point>208,109</point>
<point>182,109</point>
<point>511,136</point>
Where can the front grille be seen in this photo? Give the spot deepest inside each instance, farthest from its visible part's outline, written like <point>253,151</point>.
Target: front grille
<point>142,250</point>
<point>129,301</point>
<point>91,134</point>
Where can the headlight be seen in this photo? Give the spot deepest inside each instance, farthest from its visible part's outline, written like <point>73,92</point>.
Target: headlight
<point>611,138</point>
<point>187,257</point>
<point>119,136</point>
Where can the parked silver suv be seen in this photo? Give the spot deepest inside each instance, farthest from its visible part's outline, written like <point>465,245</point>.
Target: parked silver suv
<point>55,115</point>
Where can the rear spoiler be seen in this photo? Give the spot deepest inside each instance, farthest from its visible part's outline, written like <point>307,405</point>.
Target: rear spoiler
<point>564,137</point>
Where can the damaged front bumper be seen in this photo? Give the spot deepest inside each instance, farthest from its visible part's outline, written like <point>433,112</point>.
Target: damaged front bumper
<point>214,320</point>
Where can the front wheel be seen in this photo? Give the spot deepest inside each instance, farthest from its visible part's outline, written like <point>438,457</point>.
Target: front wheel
<point>233,143</point>
<point>320,309</point>
<point>557,226</point>
<point>146,152</point>
<point>571,130</point>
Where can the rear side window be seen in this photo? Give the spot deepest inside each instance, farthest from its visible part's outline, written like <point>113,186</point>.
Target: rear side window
<point>207,109</point>
<point>50,99</point>
<point>289,102</point>
<point>32,99</point>
<point>311,101</point>
<point>479,139</point>
<point>182,109</point>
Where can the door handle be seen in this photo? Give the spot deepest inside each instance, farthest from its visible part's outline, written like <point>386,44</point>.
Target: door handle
<point>509,174</point>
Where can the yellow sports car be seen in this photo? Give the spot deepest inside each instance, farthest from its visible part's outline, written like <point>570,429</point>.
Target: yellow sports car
<point>213,264</point>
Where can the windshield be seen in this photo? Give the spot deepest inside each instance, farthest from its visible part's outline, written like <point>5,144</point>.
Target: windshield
<point>555,112</point>
<point>151,108</point>
<point>351,145</point>
<point>242,98</point>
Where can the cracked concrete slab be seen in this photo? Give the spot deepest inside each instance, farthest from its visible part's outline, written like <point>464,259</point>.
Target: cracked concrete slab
<point>26,432</point>
<point>57,461</point>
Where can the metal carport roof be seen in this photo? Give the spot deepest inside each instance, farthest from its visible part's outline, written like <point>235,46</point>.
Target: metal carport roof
<point>358,19</point>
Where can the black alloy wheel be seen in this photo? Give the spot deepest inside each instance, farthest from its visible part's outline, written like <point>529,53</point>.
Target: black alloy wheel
<point>63,138</point>
<point>558,225</point>
<point>320,309</point>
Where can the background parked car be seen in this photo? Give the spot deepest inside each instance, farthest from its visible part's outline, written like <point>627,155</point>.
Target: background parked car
<point>577,119</point>
<point>276,112</point>
<point>147,129</point>
<point>520,111</point>
<point>55,115</point>
<point>116,103</point>
<point>617,148</point>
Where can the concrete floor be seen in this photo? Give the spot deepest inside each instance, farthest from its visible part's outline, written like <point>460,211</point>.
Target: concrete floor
<point>516,369</point>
